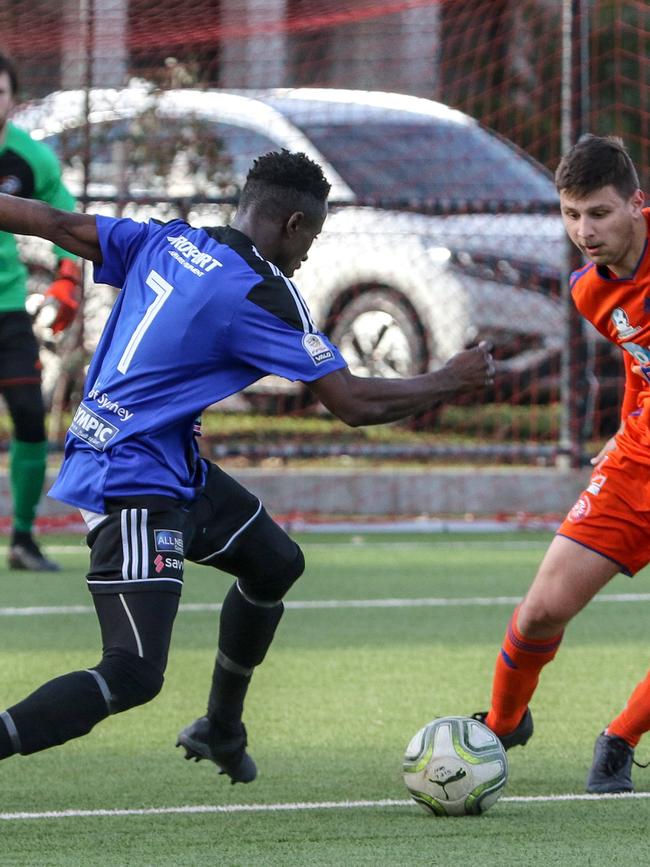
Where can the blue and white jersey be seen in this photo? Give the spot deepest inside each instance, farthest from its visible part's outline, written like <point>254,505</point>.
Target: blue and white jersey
<point>200,316</point>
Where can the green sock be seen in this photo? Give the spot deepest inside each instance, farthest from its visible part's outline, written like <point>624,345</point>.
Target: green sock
<point>27,464</point>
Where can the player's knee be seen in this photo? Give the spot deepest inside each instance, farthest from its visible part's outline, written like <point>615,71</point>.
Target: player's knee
<point>130,680</point>
<point>270,580</point>
<point>540,618</point>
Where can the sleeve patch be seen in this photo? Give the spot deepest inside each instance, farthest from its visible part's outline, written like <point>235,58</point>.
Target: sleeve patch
<point>316,348</point>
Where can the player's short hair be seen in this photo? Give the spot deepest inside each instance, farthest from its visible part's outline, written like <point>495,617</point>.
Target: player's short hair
<point>7,66</point>
<point>595,162</point>
<point>281,182</point>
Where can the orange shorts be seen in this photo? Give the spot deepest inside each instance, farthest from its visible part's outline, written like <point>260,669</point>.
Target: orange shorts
<point>612,515</point>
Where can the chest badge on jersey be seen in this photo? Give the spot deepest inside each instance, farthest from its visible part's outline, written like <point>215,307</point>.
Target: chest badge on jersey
<point>316,348</point>
<point>621,323</point>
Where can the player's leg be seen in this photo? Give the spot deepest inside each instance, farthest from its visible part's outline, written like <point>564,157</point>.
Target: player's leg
<point>611,767</point>
<point>605,532</point>
<point>569,576</point>
<point>136,595</point>
<point>236,535</point>
<point>136,629</point>
<point>20,385</point>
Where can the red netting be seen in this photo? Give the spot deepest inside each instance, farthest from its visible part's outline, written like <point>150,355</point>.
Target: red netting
<point>434,241</point>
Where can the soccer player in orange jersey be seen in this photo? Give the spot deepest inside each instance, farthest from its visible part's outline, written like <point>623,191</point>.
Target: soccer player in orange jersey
<point>608,529</point>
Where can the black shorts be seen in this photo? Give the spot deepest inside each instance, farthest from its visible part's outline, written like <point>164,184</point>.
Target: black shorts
<point>143,542</point>
<point>19,360</point>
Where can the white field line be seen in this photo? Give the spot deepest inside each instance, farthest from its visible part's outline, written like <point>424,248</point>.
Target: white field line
<point>290,807</point>
<point>323,604</point>
<point>361,541</point>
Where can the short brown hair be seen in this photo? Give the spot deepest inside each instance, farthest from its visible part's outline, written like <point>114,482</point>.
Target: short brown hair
<point>595,162</point>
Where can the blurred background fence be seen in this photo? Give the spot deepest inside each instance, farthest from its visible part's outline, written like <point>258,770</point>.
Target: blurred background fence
<point>439,125</point>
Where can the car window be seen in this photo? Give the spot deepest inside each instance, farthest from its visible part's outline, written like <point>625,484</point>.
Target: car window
<point>168,156</point>
<point>423,161</point>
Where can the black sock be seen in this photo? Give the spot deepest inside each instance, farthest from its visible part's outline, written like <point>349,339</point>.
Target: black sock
<point>246,631</point>
<point>226,701</point>
<point>19,537</point>
<point>64,708</point>
<point>8,742</point>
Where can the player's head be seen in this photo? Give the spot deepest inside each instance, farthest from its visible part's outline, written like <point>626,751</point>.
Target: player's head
<point>283,206</point>
<point>601,201</point>
<point>595,162</point>
<point>8,88</point>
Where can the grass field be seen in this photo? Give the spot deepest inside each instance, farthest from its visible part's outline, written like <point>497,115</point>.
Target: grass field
<point>409,632</point>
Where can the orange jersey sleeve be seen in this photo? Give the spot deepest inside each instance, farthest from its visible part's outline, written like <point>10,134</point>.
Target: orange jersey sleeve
<point>634,385</point>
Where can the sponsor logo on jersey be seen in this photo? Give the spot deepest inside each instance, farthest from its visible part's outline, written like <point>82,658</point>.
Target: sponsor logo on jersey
<point>580,510</point>
<point>316,348</point>
<point>160,563</point>
<point>169,540</point>
<point>621,323</point>
<point>190,257</point>
<point>596,484</point>
<point>92,429</point>
<point>104,402</point>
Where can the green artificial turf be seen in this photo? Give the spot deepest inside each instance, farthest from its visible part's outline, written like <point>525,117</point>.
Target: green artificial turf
<point>329,715</point>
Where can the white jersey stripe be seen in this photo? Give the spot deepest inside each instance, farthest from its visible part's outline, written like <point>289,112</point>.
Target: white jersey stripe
<point>106,583</point>
<point>305,318</point>
<point>144,569</point>
<point>124,529</point>
<point>134,544</point>
<point>300,300</point>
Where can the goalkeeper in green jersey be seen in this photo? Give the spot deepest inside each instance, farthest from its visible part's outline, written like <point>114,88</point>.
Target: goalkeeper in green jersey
<point>28,169</point>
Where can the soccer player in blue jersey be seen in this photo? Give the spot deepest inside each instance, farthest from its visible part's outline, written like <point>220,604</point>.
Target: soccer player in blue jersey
<point>201,314</point>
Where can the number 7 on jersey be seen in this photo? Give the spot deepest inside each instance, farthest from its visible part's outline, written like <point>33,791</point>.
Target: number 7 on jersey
<point>162,290</point>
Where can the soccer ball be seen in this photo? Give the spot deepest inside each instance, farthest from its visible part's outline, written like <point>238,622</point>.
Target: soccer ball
<point>455,766</point>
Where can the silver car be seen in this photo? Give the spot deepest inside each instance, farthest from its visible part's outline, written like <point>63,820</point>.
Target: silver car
<point>440,233</point>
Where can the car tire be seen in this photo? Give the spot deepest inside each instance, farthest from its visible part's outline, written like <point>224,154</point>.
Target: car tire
<point>378,334</point>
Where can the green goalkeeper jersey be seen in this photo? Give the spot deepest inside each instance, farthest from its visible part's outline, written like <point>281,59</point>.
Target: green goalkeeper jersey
<point>29,169</point>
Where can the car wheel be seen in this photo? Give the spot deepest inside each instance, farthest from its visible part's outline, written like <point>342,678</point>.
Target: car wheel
<point>379,334</point>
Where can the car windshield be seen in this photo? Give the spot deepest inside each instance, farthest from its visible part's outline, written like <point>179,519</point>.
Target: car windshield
<point>425,161</point>
<point>175,156</point>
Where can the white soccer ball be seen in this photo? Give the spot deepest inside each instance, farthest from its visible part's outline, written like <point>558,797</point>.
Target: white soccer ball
<point>455,766</point>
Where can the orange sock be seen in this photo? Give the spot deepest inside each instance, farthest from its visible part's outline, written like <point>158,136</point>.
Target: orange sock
<point>516,674</point>
<point>634,719</point>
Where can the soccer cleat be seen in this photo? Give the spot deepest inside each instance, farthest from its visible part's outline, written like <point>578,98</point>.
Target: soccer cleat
<point>611,768</point>
<point>201,741</point>
<point>27,555</point>
<point>519,736</point>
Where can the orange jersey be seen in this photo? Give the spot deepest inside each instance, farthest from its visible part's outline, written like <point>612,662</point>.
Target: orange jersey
<point>619,307</point>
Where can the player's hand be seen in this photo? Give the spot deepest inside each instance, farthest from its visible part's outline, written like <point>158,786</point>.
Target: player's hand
<point>472,368</point>
<point>602,454</point>
<point>642,370</point>
<point>65,292</point>
<point>607,448</point>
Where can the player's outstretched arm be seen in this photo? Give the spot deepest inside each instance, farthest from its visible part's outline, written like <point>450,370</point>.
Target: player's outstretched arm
<point>359,400</point>
<point>74,232</point>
